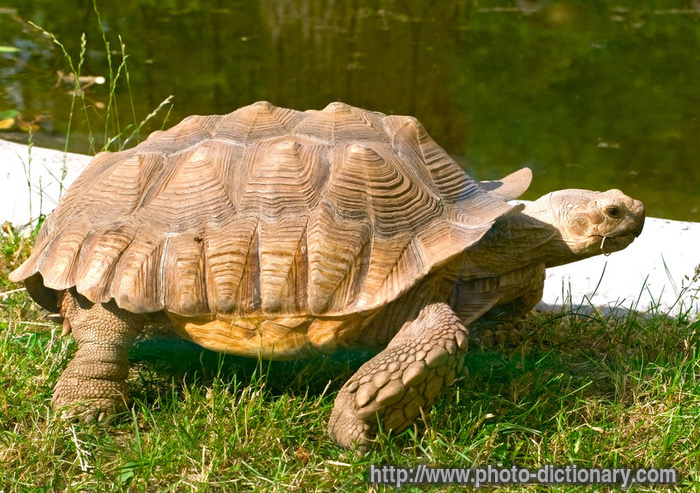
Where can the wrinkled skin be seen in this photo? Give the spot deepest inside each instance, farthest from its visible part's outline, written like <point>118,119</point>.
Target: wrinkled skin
<point>589,223</point>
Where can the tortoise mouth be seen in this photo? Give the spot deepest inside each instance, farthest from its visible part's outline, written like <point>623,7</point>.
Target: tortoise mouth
<point>614,243</point>
<point>621,237</point>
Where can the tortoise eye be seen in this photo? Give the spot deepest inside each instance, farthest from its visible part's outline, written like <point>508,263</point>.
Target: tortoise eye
<point>613,211</point>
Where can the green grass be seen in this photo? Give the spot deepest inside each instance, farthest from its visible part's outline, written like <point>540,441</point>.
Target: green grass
<point>588,391</point>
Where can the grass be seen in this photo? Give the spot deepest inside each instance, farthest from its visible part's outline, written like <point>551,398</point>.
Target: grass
<point>117,135</point>
<point>585,391</point>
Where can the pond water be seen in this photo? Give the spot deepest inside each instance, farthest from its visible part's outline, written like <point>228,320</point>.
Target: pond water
<point>588,93</point>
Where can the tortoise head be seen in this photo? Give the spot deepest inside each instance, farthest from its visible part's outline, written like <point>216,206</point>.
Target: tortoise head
<point>588,223</point>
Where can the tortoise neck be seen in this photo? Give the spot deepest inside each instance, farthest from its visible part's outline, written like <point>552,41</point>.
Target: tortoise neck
<point>531,239</point>
<point>510,245</point>
<point>541,221</point>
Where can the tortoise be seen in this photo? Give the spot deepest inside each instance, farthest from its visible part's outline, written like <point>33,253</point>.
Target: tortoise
<point>280,234</point>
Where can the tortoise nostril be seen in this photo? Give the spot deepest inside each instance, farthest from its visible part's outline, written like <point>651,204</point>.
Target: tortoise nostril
<point>613,211</point>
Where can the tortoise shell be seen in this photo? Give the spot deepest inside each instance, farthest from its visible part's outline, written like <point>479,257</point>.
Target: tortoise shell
<point>262,212</point>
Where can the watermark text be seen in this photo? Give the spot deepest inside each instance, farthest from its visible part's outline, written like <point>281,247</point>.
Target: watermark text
<point>490,475</point>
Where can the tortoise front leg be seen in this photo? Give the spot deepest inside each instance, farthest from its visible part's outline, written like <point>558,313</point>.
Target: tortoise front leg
<point>417,365</point>
<point>94,383</point>
<point>520,291</point>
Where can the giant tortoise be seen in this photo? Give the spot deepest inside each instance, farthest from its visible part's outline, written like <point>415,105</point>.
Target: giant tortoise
<point>280,234</point>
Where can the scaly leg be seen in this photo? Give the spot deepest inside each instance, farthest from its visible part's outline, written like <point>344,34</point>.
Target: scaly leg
<point>416,366</point>
<point>518,292</point>
<point>94,383</point>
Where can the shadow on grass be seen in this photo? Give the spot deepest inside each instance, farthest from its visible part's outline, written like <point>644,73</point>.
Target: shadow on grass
<point>164,363</point>
<point>559,357</point>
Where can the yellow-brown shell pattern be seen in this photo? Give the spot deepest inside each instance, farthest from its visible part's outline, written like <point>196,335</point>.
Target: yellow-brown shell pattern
<point>265,211</point>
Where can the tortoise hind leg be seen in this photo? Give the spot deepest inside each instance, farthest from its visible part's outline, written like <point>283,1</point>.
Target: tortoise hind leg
<point>93,384</point>
<point>416,366</point>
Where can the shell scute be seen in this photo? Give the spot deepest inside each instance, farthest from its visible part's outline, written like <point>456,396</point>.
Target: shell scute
<point>339,122</point>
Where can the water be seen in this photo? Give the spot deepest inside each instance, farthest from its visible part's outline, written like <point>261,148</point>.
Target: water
<point>589,93</point>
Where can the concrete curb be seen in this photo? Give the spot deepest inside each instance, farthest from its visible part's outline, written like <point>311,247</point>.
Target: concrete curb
<point>49,172</point>
<point>654,275</point>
